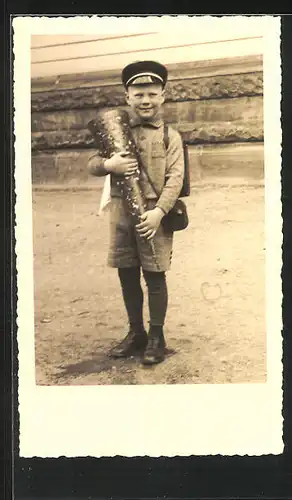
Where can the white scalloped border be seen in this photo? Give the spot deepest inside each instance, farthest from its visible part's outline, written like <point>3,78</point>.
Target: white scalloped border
<point>176,420</point>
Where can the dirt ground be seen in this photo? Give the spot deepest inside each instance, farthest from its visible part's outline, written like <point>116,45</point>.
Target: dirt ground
<point>215,327</point>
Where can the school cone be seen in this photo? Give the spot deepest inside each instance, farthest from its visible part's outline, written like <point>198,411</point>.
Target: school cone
<point>112,133</point>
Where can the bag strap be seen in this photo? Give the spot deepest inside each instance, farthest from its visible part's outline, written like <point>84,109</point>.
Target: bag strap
<point>142,166</point>
<point>166,143</point>
<point>165,136</point>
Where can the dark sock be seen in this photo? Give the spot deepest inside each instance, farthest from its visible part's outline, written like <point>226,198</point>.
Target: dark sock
<point>133,296</point>
<point>157,297</point>
<point>156,330</point>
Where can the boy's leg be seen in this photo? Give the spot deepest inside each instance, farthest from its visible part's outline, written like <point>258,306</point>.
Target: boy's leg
<point>123,255</point>
<point>158,300</point>
<point>133,296</point>
<point>136,340</point>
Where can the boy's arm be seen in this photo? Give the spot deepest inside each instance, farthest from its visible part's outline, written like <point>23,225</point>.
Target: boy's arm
<point>119,164</point>
<point>96,165</point>
<point>174,173</point>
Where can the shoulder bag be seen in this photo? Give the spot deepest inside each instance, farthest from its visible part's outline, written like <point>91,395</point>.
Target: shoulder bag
<point>177,218</point>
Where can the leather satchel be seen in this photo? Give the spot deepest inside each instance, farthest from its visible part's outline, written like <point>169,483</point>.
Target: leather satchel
<point>177,218</point>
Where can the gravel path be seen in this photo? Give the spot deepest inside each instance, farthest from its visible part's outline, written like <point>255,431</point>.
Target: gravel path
<point>215,324</point>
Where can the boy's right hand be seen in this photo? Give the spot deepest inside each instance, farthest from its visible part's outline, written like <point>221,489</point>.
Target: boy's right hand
<point>121,164</point>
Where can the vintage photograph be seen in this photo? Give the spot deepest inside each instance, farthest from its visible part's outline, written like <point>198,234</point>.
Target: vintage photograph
<point>148,235</point>
<point>121,304</point>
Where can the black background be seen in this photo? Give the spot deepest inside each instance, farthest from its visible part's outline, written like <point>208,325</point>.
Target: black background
<point>88,478</point>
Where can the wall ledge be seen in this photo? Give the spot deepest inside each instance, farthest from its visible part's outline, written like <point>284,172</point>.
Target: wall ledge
<point>189,70</point>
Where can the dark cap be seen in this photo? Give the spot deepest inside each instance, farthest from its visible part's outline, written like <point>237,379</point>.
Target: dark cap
<point>144,72</point>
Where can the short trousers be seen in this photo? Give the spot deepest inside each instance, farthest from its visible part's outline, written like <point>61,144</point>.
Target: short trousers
<point>128,249</point>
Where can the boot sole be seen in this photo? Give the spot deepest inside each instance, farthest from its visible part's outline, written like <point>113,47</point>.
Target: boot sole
<point>152,362</point>
<point>136,352</point>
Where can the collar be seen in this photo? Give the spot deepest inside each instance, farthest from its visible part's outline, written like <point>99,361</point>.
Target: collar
<point>155,123</point>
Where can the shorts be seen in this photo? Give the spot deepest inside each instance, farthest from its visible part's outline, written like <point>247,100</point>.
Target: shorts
<point>128,249</point>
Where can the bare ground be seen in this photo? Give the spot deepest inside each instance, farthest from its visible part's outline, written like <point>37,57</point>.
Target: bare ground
<point>215,326</point>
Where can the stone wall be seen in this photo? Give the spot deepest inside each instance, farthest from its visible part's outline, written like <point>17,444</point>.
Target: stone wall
<point>217,106</point>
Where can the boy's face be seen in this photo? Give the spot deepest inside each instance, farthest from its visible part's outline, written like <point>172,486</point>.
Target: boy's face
<point>145,100</point>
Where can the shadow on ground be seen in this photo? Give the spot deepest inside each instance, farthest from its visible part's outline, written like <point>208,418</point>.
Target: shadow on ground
<point>121,370</point>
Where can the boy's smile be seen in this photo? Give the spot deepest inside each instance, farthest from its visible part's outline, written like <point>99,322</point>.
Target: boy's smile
<point>145,100</point>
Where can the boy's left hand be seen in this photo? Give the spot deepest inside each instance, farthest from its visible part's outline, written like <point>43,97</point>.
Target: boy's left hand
<point>150,222</point>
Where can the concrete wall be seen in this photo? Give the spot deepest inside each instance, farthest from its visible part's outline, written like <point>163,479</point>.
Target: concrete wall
<point>216,104</point>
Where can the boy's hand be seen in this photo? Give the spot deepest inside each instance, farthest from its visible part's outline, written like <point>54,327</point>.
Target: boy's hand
<point>121,164</point>
<point>150,223</point>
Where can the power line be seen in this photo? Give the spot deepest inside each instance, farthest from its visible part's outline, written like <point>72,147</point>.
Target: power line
<point>144,50</point>
<point>91,40</point>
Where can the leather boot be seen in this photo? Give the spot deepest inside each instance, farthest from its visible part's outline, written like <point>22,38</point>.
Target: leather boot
<point>155,350</point>
<point>133,344</point>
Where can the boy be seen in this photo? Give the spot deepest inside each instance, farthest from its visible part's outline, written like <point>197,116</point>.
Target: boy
<point>144,83</point>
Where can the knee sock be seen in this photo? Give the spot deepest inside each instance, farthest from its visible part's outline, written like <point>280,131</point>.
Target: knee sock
<point>157,299</point>
<point>133,296</point>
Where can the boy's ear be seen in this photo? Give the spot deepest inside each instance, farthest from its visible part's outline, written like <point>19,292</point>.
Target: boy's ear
<point>127,97</point>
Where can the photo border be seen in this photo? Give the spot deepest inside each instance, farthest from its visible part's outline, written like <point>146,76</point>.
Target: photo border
<point>101,415</point>
<point>264,476</point>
